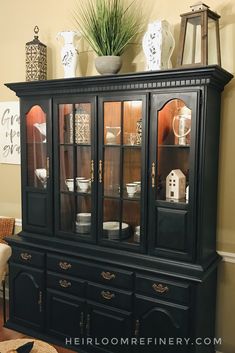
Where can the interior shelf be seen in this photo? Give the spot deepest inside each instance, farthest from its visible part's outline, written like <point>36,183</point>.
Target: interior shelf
<point>174,146</point>
<point>181,204</point>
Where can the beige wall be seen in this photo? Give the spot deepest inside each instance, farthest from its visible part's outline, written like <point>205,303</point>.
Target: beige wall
<point>17,20</point>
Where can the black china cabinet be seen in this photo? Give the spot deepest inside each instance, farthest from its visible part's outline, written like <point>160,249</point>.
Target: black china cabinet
<point>119,190</point>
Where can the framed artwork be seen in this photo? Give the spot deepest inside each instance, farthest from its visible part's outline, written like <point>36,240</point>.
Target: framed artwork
<point>9,132</point>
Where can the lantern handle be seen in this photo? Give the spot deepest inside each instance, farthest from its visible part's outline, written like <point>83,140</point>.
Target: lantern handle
<point>36,30</point>
<point>175,133</point>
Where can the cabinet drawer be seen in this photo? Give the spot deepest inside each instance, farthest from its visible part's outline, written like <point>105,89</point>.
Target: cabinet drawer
<point>67,265</point>
<point>161,288</point>
<point>65,284</point>
<point>112,277</point>
<point>109,296</point>
<point>27,256</point>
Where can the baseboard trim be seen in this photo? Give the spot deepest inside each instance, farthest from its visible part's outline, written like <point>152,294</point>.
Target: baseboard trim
<point>18,222</point>
<point>227,257</point>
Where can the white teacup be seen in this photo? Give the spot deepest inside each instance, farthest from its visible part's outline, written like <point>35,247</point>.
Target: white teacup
<point>42,176</point>
<point>78,179</point>
<point>131,189</point>
<point>84,185</point>
<point>41,173</point>
<point>69,183</point>
<point>138,183</point>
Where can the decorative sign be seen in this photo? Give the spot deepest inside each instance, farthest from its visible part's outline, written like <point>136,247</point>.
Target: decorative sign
<point>9,132</point>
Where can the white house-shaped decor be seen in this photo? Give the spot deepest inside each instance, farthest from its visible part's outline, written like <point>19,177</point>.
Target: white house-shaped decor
<point>175,185</point>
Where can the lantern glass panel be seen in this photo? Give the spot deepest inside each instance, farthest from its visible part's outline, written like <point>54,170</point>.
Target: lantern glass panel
<point>192,45</point>
<point>212,42</point>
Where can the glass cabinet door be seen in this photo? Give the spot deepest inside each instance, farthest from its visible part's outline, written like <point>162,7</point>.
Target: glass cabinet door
<point>172,166</point>
<point>121,172</point>
<point>76,170</point>
<point>36,156</point>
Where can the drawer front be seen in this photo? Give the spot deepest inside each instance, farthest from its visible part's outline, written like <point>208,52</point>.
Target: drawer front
<point>112,277</point>
<point>109,296</point>
<point>67,265</point>
<point>97,273</point>
<point>27,256</point>
<point>164,289</point>
<point>66,284</point>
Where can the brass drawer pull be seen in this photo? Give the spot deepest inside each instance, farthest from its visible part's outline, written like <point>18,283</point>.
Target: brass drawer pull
<point>40,301</point>
<point>108,275</point>
<point>100,171</point>
<point>160,288</point>
<point>65,265</point>
<point>81,323</point>
<point>48,167</point>
<point>107,295</point>
<point>88,325</point>
<point>153,175</point>
<point>64,284</point>
<point>137,328</point>
<point>25,256</point>
<point>92,171</point>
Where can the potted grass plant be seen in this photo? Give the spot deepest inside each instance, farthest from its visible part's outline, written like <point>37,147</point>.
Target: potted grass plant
<point>108,26</point>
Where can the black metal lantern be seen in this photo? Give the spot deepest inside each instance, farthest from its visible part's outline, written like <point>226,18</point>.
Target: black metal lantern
<point>199,37</point>
<point>36,59</point>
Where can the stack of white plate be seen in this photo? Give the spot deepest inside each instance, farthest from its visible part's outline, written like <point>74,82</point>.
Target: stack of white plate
<point>112,231</point>
<point>137,234</point>
<point>83,223</point>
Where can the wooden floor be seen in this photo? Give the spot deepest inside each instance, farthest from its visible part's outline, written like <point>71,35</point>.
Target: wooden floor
<point>6,334</point>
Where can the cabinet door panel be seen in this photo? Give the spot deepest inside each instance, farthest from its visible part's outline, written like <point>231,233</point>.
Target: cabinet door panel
<point>122,171</point>
<point>173,166</point>
<point>36,143</point>
<point>26,296</point>
<point>161,321</point>
<point>103,322</point>
<point>65,315</point>
<point>75,168</point>
<point>171,229</point>
<point>37,210</point>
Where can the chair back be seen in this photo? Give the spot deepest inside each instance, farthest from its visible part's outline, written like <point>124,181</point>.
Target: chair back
<point>7,225</point>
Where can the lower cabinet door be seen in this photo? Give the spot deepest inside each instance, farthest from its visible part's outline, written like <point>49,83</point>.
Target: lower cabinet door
<point>162,326</point>
<point>65,317</point>
<point>106,327</point>
<point>26,296</point>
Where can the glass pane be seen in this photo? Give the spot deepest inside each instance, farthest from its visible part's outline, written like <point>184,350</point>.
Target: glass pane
<point>67,212</point>
<point>83,123</point>
<point>132,173</point>
<point>112,171</point>
<point>36,132</point>
<point>111,219</point>
<point>75,168</point>
<point>66,123</point>
<point>131,217</point>
<point>212,42</point>
<point>112,123</point>
<point>66,168</point>
<point>192,45</point>
<point>122,171</point>
<point>174,135</point>
<point>83,216</point>
<point>132,124</point>
<point>83,175</point>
